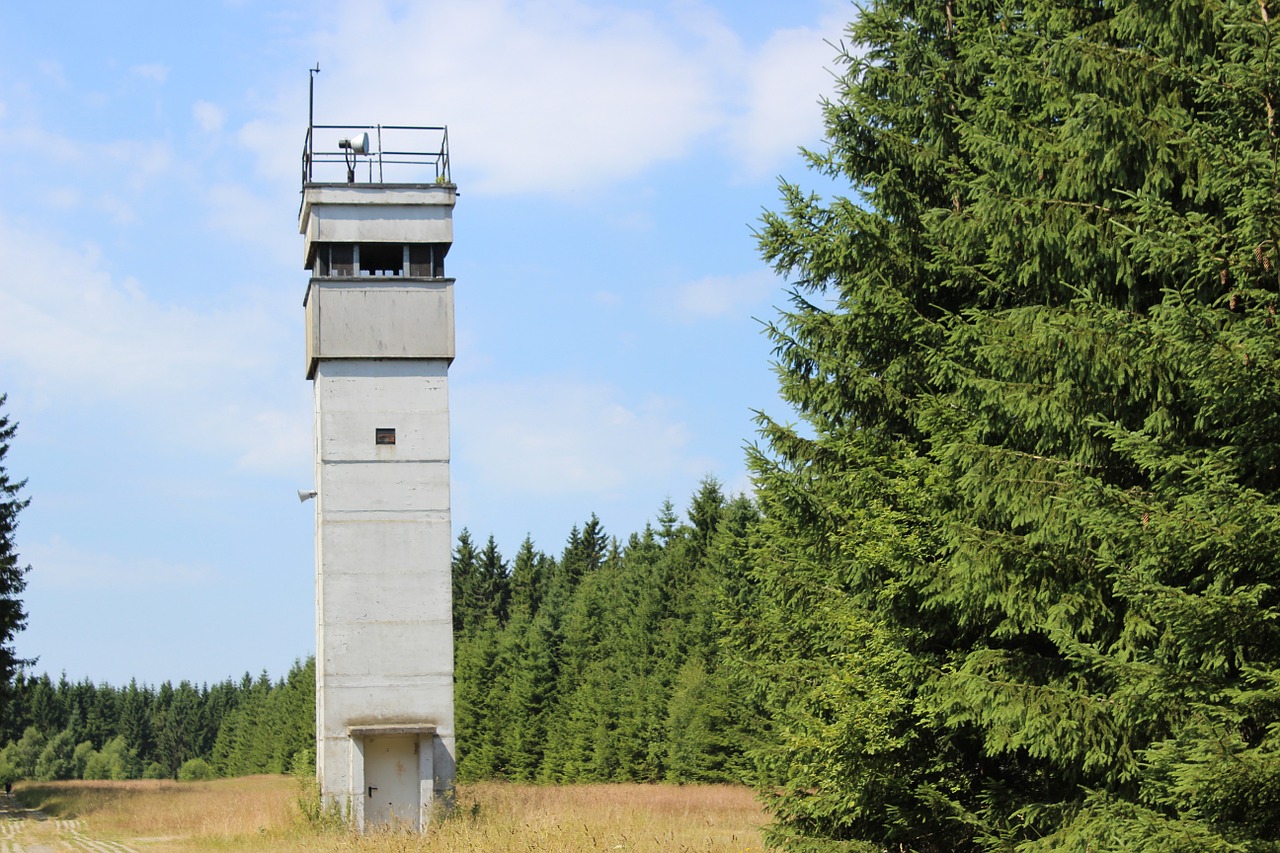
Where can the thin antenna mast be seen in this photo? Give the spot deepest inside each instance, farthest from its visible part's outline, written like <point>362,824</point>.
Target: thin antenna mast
<point>311,121</point>
<point>311,96</point>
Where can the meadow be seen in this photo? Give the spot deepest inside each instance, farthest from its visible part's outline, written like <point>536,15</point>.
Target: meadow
<point>262,813</point>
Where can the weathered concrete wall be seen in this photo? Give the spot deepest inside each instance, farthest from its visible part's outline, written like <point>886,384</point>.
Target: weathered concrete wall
<point>378,318</point>
<point>378,351</point>
<point>351,213</point>
<point>384,614</point>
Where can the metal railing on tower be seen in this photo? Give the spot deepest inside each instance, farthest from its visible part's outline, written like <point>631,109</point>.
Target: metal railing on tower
<point>369,153</point>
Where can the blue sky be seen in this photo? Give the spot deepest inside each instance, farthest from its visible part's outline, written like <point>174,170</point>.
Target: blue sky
<point>611,159</point>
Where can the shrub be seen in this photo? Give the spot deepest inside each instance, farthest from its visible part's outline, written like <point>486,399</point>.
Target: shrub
<point>56,760</point>
<point>80,759</point>
<point>195,770</point>
<point>115,761</point>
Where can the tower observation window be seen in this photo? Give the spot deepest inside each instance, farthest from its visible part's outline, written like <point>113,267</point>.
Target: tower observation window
<point>381,259</point>
<point>335,259</point>
<point>427,260</point>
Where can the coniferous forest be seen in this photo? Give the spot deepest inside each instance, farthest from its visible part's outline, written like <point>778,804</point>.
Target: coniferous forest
<point>1012,583</point>
<point>601,664</point>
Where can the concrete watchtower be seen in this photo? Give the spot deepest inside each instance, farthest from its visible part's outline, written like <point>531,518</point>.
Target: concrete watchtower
<point>379,328</point>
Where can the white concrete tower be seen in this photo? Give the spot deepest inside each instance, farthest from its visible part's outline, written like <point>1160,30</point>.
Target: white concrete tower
<point>379,328</point>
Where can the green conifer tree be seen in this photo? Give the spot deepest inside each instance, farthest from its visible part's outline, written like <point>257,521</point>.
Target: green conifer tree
<point>530,573</point>
<point>528,703</point>
<point>468,603</point>
<point>134,723</point>
<point>12,573</point>
<point>495,583</point>
<point>1016,578</point>
<point>476,697</point>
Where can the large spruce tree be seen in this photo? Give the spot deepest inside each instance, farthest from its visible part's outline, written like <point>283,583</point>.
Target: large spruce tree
<point>1015,583</point>
<point>12,573</point>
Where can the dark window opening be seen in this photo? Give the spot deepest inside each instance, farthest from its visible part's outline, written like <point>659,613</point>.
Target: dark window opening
<point>381,259</point>
<point>387,260</point>
<point>426,260</point>
<point>384,436</point>
<point>335,259</point>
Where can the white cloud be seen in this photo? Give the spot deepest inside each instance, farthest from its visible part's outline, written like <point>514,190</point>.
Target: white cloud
<point>63,198</point>
<point>68,322</point>
<point>551,437</point>
<point>72,332</point>
<point>61,565</point>
<point>274,441</point>
<point>53,71</point>
<point>142,161</point>
<point>266,220</point>
<point>49,147</point>
<point>277,144</point>
<point>783,84</point>
<point>135,163</point>
<point>209,117</point>
<point>722,295</point>
<point>152,71</point>
<point>559,95</point>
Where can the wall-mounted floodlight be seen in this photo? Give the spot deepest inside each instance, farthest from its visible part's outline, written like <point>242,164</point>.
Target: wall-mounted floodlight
<point>305,495</point>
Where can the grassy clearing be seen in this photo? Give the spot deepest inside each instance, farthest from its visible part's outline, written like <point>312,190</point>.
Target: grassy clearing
<point>260,813</point>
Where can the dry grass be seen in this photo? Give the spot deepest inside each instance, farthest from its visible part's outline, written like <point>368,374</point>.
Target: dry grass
<point>260,813</point>
<point>224,809</point>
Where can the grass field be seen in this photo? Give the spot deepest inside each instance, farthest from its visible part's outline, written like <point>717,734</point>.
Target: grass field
<point>262,813</point>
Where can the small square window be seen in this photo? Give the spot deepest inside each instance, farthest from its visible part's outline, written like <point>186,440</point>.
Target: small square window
<point>384,436</point>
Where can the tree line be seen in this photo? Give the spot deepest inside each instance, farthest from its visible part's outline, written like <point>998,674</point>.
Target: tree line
<point>605,664</point>
<point>602,663</point>
<point>82,730</point>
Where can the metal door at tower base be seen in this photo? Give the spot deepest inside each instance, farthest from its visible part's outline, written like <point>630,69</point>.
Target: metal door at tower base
<point>391,779</point>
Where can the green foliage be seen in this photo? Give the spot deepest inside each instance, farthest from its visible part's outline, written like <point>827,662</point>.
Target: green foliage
<point>606,665</point>
<point>80,759</point>
<point>196,770</point>
<point>700,747</point>
<point>1015,583</point>
<point>255,726</point>
<point>57,759</point>
<point>315,812</point>
<point>9,772</point>
<point>176,722</point>
<point>12,574</point>
<point>114,761</point>
<point>270,726</point>
<point>24,753</point>
<point>481,585</point>
<point>303,764</point>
